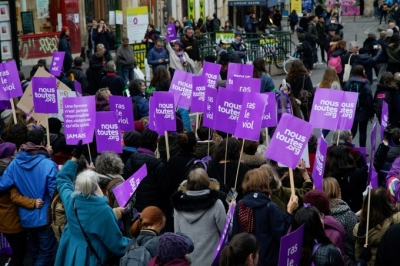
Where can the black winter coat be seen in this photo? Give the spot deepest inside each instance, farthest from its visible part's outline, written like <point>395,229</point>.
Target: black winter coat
<point>95,74</point>
<point>80,77</point>
<point>393,105</point>
<point>65,46</point>
<point>151,191</point>
<point>103,37</point>
<point>193,53</point>
<point>114,83</point>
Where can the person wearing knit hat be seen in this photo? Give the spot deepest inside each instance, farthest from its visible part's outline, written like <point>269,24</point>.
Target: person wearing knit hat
<point>333,229</point>
<point>172,250</point>
<point>131,144</point>
<point>65,46</point>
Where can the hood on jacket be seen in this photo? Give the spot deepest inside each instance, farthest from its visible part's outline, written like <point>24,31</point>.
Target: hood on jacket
<point>338,52</point>
<point>214,185</point>
<point>194,204</point>
<point>256,199</point>
<point>254,160</point>
<point>28,161</point>
<point>362,59</point>
<point>331,223</point>
<point>359,79</point>
<point>95,65</point>
<point>383,87</point>
<point>105,179</point>
<point>102,103</point>
<point>393,153</point>
<point>340,207</point>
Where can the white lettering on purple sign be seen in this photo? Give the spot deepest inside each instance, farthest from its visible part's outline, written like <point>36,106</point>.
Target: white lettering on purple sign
<point>210,115</point>
<point>238,76</point>
<point>231,109</point>
<point>110,130</point>
<point>75,116</point>
<point>320,162</point>
<point>295,140</point>
<point>247,123</point>
<point>166,109</point>
<point>4,81</point>
<point>49,94</point>
<point>200,93</point>
<point>346,110</point>
<point>329,107</point>
<point>211,80</point>
<point>121,120</point>
<point>184,87</point>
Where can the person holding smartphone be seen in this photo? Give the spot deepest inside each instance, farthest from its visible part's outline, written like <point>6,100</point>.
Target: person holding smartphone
<point>102,35</point>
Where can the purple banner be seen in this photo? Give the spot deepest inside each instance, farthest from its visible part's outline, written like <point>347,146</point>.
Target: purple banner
<point>123,107</point>
<point>124,191</point>
<point>108,136</point>
<point>5,248</point>
<point>374,179</point>
<point>290,138</point>
<point>227,110</point>
<point>163,108</point>
<point>325,108</point>
<point>181,87</point>
<point>44,94</point>
<point>170,34</point>
<point>152,115</point>
<point>211,74</point>
<point>270,115</point>
<point>198,94</point>
<point>240,71</point>
<point>347,110</point>
<point>4,105</point>
<point>363,151</point>
<point>372,152</point>
<point>9,79</point>
<point>57,63</point>
<point>78,88</point>
<point>384,118</point>
<point>246,84</point>
<point>249,122</point>
<point>223,239</point>
<point>211,96</point>
<point>79,119</point>
<point>291,247</point>
<point>319,163</point>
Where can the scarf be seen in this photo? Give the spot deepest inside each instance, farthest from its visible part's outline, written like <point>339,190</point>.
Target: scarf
<point>146,151</point>
<point>34,149</point>
<point>181,55</point>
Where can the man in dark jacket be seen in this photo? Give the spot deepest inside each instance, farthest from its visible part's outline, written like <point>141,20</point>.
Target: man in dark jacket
<point>157,56</point>
<point>112,81</point>
<point>312,30</point>
<point>34,175</point>
<point>381,63</point>
<point>319,10</point>
<point>216,23</point>
<point>126,59</point>
<point>152,190</point>
<point>368,62</point>
<point>321,36</point>
<point>102,35</point>
<point>76,73</point>
<point>65,46</point>
<point>304,21</point>
<point>190,45</point>
<point>353,50</point>
<point>95,73</point>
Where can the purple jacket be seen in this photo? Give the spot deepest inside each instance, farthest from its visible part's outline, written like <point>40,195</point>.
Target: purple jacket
<point>392,182</point>
<point>335,231</point>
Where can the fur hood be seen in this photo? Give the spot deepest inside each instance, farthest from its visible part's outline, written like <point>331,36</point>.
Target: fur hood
<point>254,160</point>
<point>214,185</point>
<point>194,201</point>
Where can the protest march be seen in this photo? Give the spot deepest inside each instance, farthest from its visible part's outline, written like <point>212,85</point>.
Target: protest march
<point>193,168</point>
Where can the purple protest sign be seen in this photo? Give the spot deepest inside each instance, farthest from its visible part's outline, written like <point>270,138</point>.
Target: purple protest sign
<point>211,96</point>
<point>290,138</point>
<point>374,179</point>
<point>325,108</point>
<point>57,63</point>
<point>79,119</point>
<point>170,34</point>
<point>223,239</point>
<point>152,121</point>
<point>270,116</point>
<point>181,87</point>
<point>246,84</point>
<point>5,248</point>
<point>44,94</point>
<point>384,118</point>
<point>78,88</point>
<point>372,152</point>
<point>347,110</point>
<point>211,74</point>
<point>319,163</point>
<point>162,105</point>
<point>198,94</point>
<point>123,107</point>
<point>4,105</point>
<point>125,190</point>
<point>291,247</point>
<point>9,79</point>
<point>238,70</point>
<point>249,122</point>
<point>363,151</point>
<point>108,136</point>
<point>227,110</point>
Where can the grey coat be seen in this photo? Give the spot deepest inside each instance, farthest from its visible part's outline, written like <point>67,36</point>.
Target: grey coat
<point>201,216</point>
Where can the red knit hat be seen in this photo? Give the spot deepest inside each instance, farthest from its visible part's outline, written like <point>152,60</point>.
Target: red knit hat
<point>64,28</point>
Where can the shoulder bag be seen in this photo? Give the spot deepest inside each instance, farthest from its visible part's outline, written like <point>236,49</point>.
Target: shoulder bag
<point>347,70</point>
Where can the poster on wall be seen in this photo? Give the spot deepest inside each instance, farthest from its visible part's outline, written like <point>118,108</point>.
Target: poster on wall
<point>307,5</point>
<point>4,11</point>
<point>191,10</point>
<point>137,19</point>
<point>296,5</point>
<point>202,5</point>
<point>6,50</point>
<point>5,28</point>
<point>42,8</point>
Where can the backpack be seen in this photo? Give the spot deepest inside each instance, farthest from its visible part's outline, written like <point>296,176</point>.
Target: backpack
<point>336,63</point>
<point>307,49</point>
<point>356,86</point>
<point>58,218</point>
<point>135,255</point>
<point>380,97</point>
<point>106,190</point>
<point>216,24</point>
<point>135,109</point>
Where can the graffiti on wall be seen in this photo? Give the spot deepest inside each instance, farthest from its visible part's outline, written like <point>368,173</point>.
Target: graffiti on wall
<point>37,47</point>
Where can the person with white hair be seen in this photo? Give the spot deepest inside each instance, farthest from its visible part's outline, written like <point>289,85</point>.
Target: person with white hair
<point>112,81</point>
<point>91,235</point>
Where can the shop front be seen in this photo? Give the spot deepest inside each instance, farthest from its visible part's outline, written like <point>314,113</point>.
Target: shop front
<point>238,9</point>
<point>39,24</point>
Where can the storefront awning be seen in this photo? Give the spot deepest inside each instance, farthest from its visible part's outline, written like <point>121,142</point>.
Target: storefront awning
<point>247,3</point>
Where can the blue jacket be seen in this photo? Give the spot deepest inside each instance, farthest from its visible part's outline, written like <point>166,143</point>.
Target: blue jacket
<point>267,84</point>
<point>269,223</point>
<point>154,55</point>
<point>34,175</point>
<point>142,106</point>
<point>185,118</point>
<point>365,105</point>
<point>97,220</point>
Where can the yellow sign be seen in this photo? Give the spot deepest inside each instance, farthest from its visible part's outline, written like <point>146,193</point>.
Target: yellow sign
<point>191,11</point>
<point>296,5</point>
<point>227,36</point>
<point>202,10</point>
<point>139,50</point>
